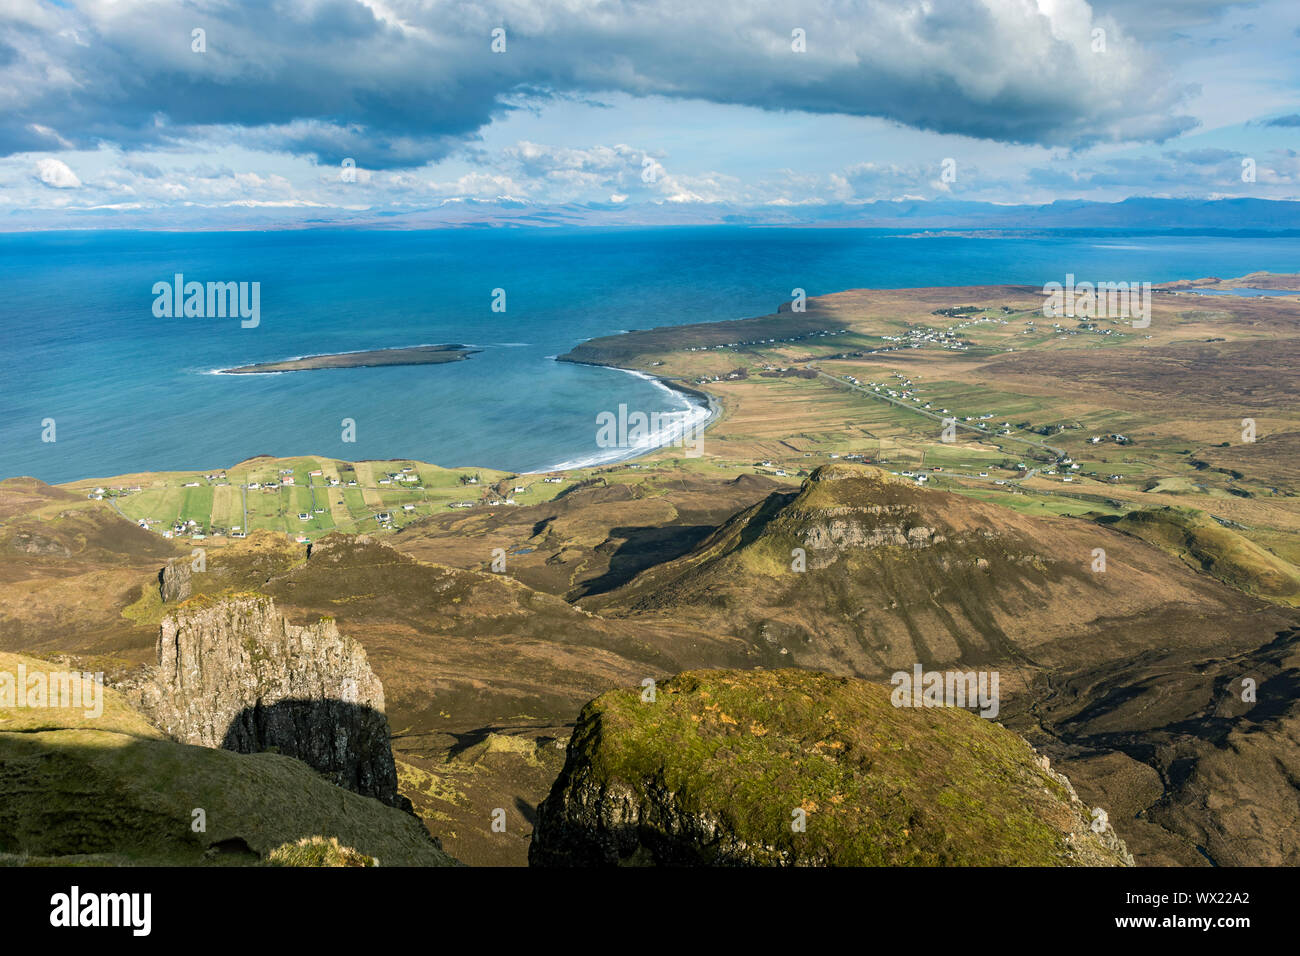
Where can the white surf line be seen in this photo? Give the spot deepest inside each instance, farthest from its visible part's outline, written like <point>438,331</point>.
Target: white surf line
<point>701,415</point>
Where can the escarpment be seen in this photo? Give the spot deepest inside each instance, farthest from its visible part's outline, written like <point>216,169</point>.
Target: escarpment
<point>234,673</point>
<point>863,572</point>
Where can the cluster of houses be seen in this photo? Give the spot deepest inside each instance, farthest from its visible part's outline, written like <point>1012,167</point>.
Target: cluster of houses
<point>925,335</point>
<point>821,333</point>
<point>486,501</point>
<point>181,528</point>
<point>950,338</point>
<point>275,484</point>
<point>407,476</point>
<point>1065,472</point>
<point>905,391</point>
<point>218,479</point>
<point>497,501</point>
<point>285,477</point>
<point>99,494</point>
<point>731,376</point>
<point>1058,329</point>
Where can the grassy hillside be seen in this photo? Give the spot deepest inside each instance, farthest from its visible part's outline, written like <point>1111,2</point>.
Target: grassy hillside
<point>715,768</point>
<point>111,790</point>
<point>864,573</point>
<point>1204,544</point>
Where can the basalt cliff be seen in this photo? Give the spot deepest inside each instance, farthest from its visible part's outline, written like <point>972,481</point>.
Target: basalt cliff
<point>234,673</point>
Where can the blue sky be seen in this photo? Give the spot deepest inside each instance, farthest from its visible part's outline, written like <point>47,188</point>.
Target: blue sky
<point>111,116</point>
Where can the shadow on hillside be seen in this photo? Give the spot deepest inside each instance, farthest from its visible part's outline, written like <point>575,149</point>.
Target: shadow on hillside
<point>89,797</point>
<point>466,740</point>
<point>347,743</point>
<point>643,548</point>
<point>649,546</point>
<point>527,810</point>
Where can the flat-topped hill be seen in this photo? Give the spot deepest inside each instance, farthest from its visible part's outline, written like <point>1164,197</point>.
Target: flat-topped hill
<point>863,572</point>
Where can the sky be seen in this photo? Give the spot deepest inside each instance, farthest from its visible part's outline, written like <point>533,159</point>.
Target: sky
<point>142,113</point>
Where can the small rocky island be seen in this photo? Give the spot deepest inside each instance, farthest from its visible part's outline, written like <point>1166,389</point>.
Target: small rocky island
<point>415,355</point>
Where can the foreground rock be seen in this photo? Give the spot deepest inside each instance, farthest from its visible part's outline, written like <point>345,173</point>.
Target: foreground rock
<point>721,768</point>
<point>103,787</point>
<point>235,674</point>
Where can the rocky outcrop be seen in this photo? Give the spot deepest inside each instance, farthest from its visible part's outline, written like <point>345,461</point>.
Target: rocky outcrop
<point>234,673</point>
<point>30,542</point>
<point>106,788</point>
<point>176,581</point>
<point>795,768</point>
<point>836,534</point>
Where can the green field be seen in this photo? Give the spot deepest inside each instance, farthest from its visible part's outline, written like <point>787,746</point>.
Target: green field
<point>217,505</point>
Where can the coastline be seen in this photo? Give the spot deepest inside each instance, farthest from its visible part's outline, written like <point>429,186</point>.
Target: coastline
<point>698,400</point>
<point>707,407</point>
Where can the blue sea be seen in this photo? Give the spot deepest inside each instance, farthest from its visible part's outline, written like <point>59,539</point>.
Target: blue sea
<point>129,391</point>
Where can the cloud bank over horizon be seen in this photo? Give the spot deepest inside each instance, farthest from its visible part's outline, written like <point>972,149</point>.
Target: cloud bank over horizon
<point>143,103</point>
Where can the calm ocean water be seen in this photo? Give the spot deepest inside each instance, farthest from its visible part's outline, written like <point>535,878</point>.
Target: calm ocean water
<point>129,391</point>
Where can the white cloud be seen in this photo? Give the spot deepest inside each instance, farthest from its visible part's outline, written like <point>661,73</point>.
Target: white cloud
<point>56,174</point>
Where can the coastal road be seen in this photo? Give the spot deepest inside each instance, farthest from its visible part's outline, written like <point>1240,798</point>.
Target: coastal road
<point>983,433</point>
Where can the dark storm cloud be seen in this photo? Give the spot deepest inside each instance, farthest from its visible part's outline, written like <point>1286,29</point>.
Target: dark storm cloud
<point>398,84</point>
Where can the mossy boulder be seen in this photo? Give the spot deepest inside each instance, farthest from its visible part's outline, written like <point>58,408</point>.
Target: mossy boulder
<point>723,767</point>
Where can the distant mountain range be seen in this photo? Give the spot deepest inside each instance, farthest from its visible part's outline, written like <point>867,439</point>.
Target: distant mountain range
<point>1137,213</point>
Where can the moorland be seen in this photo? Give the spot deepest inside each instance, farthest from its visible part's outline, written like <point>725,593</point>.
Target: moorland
<point>1105,514</point>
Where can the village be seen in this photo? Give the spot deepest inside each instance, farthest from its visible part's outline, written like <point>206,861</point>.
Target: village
<point>311,497</point>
